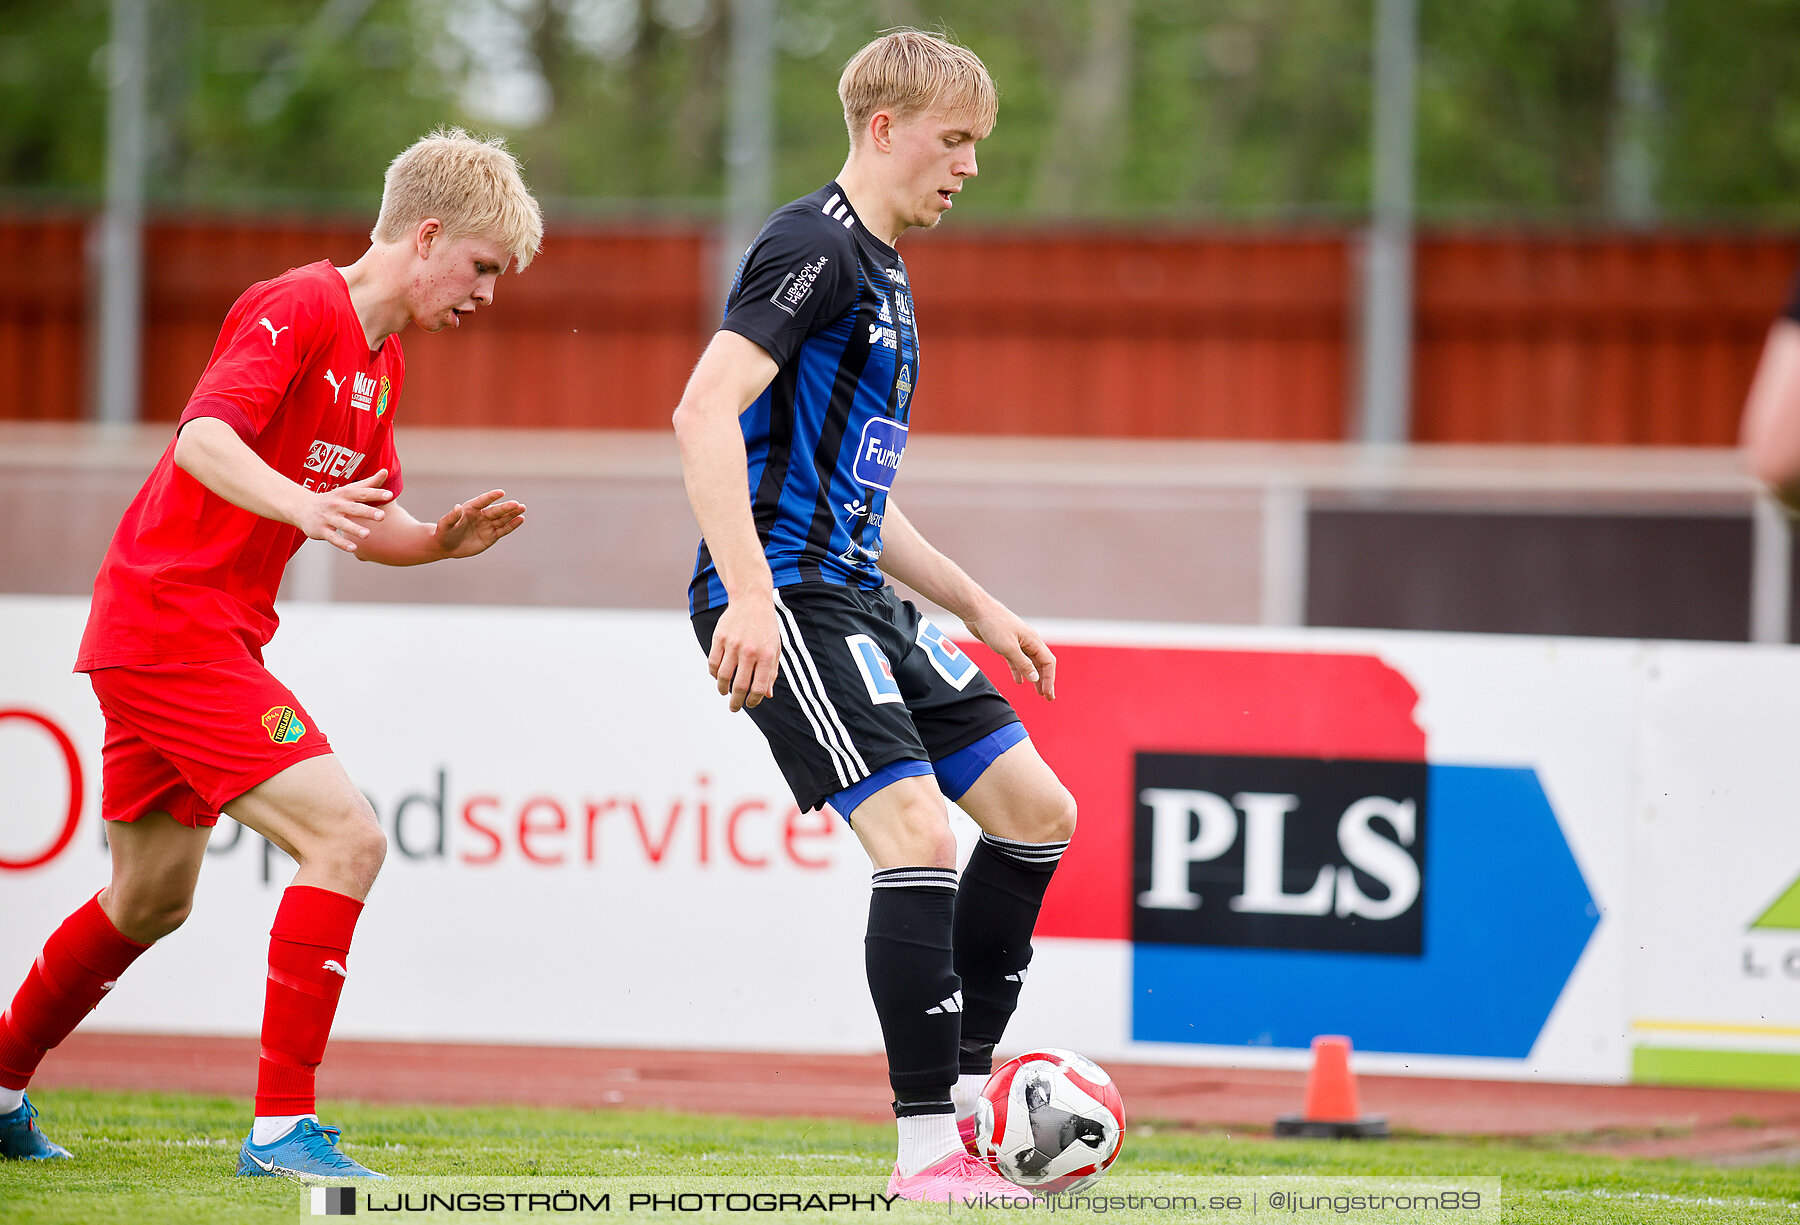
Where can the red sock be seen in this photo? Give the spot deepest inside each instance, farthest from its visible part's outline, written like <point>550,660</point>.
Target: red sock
<point>309,951</point>
<point>80,963</point>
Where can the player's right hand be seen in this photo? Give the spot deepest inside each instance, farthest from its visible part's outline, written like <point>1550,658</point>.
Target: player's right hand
<point>746,649</point>
<point>339,516</point>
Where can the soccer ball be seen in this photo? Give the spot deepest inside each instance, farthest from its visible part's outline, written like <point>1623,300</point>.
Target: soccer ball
<point>1050,1120</point>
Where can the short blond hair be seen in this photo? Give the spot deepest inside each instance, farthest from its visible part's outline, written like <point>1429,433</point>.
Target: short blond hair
<point>471,184</point>
<point>910,72</point>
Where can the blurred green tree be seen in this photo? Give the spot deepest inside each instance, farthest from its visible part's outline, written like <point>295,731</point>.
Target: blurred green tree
<point>52,107</point>
<point>1110,109</point>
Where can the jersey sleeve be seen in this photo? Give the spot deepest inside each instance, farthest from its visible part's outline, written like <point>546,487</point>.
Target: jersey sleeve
<point>799,275</point>
<point>268,339</point>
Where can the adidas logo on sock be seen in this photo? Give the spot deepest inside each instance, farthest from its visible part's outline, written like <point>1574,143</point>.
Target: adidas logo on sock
<point>953,1004</point>
<point>1019,977</point>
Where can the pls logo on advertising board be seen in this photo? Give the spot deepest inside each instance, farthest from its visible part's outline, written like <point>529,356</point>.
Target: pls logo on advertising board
<point>1304,854</point>
<point>1267,830</point>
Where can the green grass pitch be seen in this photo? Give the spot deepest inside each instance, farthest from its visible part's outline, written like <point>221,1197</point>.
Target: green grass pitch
<point>169,1157</point>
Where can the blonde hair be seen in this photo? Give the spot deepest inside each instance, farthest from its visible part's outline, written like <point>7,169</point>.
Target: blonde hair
<point>470,184</point>
<point>909,72</point>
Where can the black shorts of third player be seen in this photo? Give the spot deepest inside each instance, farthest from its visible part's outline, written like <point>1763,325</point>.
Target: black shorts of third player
<point>864,680</point>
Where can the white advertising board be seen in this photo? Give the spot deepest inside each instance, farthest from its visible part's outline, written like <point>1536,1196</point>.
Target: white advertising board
<point>585,847</point>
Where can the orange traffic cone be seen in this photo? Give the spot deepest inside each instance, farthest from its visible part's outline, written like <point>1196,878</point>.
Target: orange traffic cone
<point>1331,1110</point>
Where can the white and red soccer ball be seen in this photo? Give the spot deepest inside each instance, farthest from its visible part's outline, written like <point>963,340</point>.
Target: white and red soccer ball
<point>1050,1120</point>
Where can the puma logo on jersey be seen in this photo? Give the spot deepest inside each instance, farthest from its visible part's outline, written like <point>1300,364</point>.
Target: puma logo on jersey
<point>274,331</point>
<point>336,967</point>
<point>336,385</point>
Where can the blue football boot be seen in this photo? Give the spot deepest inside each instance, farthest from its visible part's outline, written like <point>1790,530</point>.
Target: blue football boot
<point>306,1151</point>
<point>21,1140</point>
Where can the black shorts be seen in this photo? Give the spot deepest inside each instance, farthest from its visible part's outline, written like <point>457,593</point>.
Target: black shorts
<point>864,680</point>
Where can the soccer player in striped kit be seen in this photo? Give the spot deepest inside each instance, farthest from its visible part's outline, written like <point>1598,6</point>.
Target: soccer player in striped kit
<point>289,435</point>
<point>791,430</point>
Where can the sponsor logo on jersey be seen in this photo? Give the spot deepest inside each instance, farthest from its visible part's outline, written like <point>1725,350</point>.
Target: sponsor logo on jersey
<point>797,287</point>
<point>283,725</point>
<point>329,459</point>
<point>884,314</point>
<point>886,337</point>
<point>878,452</point>
<point>274,332</point>
<point>362,393</point>
<point>337,385</point>
<point>903,386</point>
<point>381,397</point>
<point>859,509</point>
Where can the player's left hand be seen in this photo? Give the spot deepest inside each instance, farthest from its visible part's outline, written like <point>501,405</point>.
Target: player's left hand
<point>1023,649</point>
<point>472,526</point>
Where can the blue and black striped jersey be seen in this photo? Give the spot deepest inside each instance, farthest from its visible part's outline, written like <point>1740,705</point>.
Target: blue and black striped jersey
<point>831,304</point>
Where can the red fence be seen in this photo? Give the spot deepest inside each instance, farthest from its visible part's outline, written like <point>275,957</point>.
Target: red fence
<point>1597,339</point>
<point>1520,338</point>
<point>43,320</point>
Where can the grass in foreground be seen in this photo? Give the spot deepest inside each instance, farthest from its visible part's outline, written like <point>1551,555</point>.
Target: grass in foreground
<point>169,1157</point>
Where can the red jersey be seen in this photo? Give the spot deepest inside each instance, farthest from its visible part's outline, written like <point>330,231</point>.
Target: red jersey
<point>190,577</point>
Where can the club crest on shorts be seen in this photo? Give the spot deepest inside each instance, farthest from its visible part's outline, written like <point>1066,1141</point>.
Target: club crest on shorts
<point>283,725</point>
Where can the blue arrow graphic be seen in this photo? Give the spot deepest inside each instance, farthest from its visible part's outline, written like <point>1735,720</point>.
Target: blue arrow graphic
<point>1507,917</point>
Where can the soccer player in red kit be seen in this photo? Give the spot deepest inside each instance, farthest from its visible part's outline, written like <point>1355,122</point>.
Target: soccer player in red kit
<point>288,436</point>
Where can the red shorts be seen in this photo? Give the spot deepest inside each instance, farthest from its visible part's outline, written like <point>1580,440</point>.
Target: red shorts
<point>187,739</point>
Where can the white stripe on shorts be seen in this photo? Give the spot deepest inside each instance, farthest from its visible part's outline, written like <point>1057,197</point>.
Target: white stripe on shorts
<point>810,690</point>
<point>796,677</point>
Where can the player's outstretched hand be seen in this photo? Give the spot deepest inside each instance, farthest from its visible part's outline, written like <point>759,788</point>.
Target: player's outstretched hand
<point>472,526</point>
<point>341,516</point>
<point>1022,647</point>
<point>746,648</point>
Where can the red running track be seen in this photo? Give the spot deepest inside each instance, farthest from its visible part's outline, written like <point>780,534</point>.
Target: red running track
<point>1636,1120</point>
